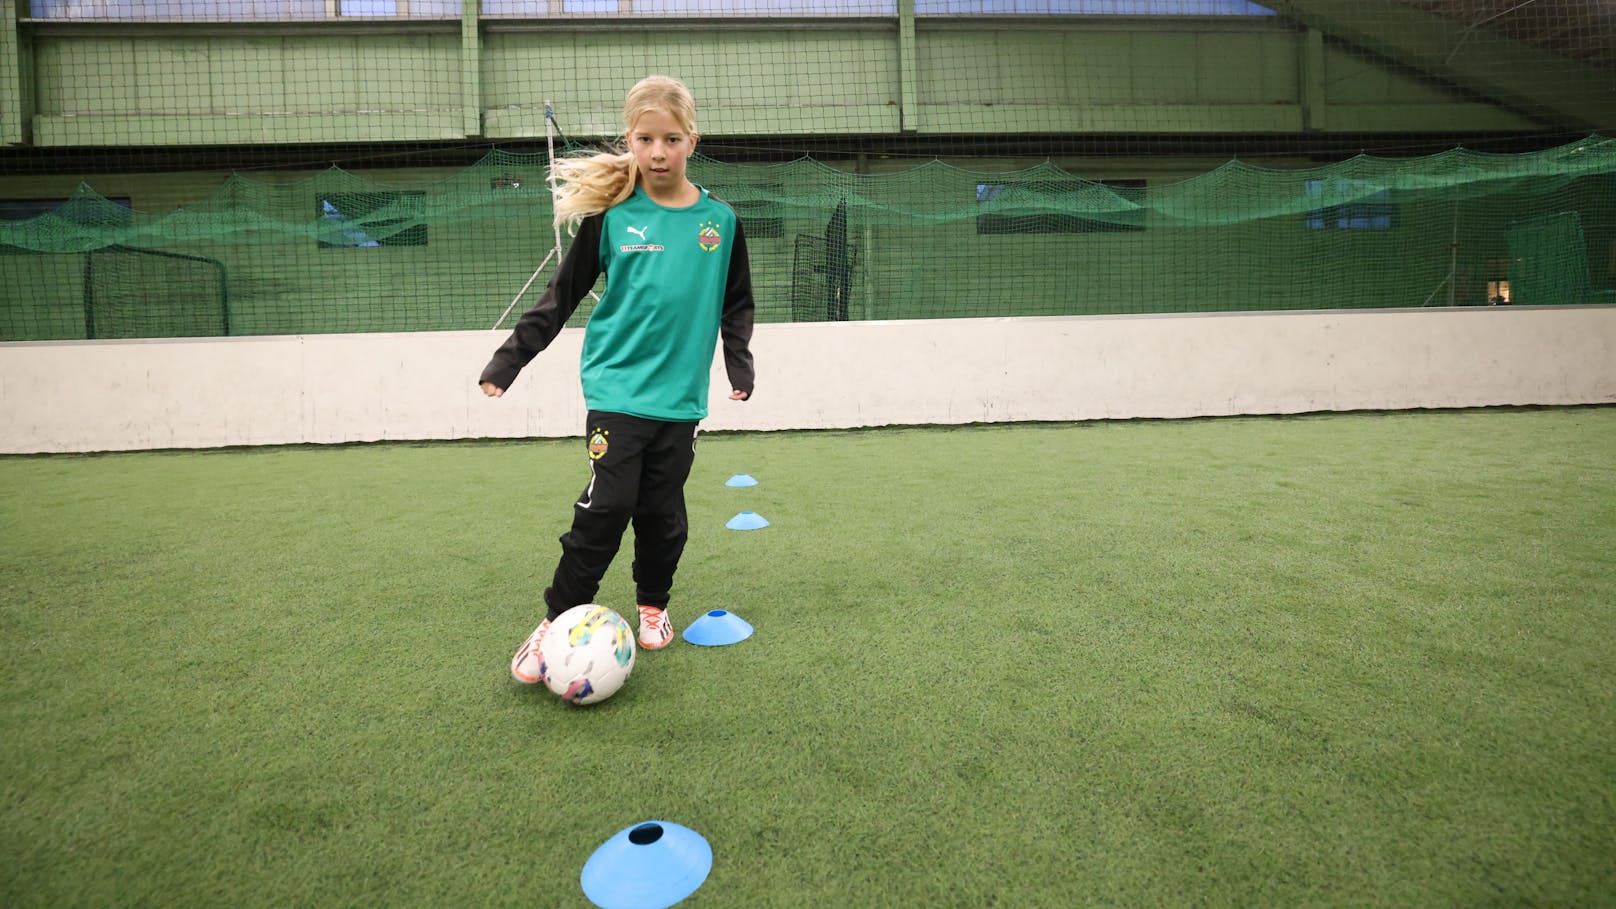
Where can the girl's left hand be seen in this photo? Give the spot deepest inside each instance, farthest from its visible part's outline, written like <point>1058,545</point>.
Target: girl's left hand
<point>738,395</point>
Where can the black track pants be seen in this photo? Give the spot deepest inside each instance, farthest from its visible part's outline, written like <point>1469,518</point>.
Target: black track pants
<point>637,472</point>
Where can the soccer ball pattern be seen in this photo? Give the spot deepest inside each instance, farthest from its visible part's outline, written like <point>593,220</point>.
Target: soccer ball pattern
<point>587,654</point>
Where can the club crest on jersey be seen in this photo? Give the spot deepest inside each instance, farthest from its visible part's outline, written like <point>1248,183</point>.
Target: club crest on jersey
<point>597,444</point>
<point>708,236</point>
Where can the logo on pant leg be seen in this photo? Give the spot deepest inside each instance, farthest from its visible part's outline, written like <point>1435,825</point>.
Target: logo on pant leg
<point>597,444</point>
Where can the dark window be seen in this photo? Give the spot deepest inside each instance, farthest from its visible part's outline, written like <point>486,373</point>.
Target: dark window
<point>84,211</point>
<point>23,209</point>
<point>1122,217</point>
<point>351,220</point>
<point>1370,209</point>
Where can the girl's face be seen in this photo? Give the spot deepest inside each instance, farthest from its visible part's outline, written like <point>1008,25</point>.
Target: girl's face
<point>660,147</point>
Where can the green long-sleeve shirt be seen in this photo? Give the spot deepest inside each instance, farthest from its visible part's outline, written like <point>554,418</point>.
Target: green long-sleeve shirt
<point>675,279</point>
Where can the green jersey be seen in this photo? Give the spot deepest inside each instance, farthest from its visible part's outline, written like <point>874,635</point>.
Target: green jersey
<point>675,279</point>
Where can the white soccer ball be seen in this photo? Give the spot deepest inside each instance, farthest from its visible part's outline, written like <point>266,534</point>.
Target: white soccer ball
<point>587,654</point>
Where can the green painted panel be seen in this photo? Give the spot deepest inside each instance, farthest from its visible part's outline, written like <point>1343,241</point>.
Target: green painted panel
<point>182,87</point>
<point>64,88</point>
<point>1031,67</point>
<point>249,75</point>
<point>1163,67</point>
<point>1105,67</point>
<point>1099,68</point>
<point>505,123</point>
<point>11,77</point>
<point>1232,69</point>
<point>407,72</point>
<point>1441,117</point>
<point>832,68</point>
<point>171,77</point>
<point>707,64</point>
<point>318,76</point>
<point>1281,70</point>
<point>1107,118</point>
<point>746,81</point>
<point>227,130</point>
<point>520,71</point>
<point>942,70</point>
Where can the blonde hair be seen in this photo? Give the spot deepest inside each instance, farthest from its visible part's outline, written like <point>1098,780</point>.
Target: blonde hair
<point>589,185</point>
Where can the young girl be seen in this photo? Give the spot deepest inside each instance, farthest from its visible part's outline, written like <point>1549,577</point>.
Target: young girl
<point>677,276</point>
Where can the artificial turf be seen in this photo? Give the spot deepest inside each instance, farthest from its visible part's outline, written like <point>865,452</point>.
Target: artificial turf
<point>1361,659</point>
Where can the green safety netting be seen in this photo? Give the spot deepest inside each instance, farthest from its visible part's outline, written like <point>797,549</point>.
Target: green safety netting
<point>340,252</point>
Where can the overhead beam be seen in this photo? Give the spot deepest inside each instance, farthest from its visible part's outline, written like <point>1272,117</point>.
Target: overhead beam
<point>1538,83</point>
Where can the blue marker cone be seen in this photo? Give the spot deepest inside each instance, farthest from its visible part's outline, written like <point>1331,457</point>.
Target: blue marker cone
<point>717,628</point>
<point>741,479</point>
<point>648,866</point>
<point>747,520</point>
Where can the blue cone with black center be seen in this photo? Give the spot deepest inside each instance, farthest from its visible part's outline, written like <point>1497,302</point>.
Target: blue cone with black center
<point>647,866</point>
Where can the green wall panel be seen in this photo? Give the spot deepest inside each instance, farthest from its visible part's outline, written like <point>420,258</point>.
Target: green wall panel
<point>1036,68</point>
<point>744,81</point>
<point>244,130</point>
<point>174,77</point>
<point>178,86</point>
<point>12,84</point>
<point>1108,81</point>
<point>89,77</point>
<point>1162,68</point>
<point>1248,68</point>
<point>1109,118</point>
<point>1442,117</point>
<point>252,77</point>
<point>244,75</point>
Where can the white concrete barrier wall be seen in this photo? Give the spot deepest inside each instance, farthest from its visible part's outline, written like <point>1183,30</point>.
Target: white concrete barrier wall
<point>75,396</point>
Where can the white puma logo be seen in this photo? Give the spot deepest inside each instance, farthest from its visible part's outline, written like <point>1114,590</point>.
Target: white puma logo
<point>640,232</point>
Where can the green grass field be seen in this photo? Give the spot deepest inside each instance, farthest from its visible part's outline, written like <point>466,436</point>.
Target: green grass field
<point>1363,660</point>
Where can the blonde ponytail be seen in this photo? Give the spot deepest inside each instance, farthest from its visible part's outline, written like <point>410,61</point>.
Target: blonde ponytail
<point>589,185</point>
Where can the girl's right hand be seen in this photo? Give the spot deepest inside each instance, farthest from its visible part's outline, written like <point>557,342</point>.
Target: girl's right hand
<point>492,390</point>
